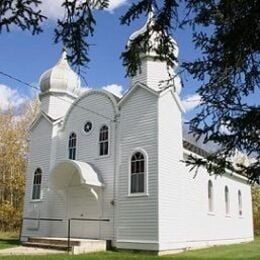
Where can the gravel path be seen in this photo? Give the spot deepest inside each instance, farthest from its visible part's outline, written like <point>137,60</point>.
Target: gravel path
<point>22,250</point>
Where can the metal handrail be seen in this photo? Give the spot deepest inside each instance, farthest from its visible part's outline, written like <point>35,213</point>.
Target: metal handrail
<point>44,219</point>
<point>69,224</point>
<point>91,219</point>
<point>39,219</point>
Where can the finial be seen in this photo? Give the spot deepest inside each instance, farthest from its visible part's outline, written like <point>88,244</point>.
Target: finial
<point>64,53</point>
<point>63,56</point>
<point>151,13</point>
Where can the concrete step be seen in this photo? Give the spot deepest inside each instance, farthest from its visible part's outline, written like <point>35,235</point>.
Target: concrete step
<point>53,241</point>
<point>47,246</point>
<point>77,246</point>
<point>90,246</point>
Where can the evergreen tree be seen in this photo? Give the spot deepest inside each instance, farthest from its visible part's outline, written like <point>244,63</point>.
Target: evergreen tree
<point>229,67</point>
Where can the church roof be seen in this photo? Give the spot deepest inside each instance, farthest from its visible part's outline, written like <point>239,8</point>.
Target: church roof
<point>153,37</point>
<point>60,78</point>
<point>194,148</point>
<point>197,146</point>
<point>62,172</point>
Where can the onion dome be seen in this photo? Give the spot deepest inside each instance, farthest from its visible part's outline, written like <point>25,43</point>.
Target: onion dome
<point>153,38</point>
<point>155,73</point>
<point>60,79</point>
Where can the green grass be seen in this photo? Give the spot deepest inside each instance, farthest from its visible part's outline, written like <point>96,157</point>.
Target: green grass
<point>241,251</point>
<point>8,240</point>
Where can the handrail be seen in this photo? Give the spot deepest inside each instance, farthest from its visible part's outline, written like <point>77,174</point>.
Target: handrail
<point>39,219</point>
<point>44,219</point>
<point>91,219</point>
<point>69,224</point>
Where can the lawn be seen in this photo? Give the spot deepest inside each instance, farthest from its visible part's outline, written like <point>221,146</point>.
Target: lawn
<point>241,251</point>
<point>8,240</point>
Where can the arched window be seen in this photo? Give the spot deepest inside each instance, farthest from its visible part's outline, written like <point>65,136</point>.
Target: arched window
<point>240,211</point>
<point>137,173</point>
<point>210,196</point>
<point>103,140</point>
<point>72,146</point>
<point>37,181</point>
<point>227,201</point>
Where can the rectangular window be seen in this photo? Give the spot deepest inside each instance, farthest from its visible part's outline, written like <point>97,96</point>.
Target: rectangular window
<point>137,182</point>
<point>37,181</point>
<point>137,179</point>
<point>36,191</point>
<point>103,141</point>
<point>103,148</point>
<point>72,146</point>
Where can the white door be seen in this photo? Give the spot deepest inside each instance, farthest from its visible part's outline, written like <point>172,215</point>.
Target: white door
<point>83,204</point>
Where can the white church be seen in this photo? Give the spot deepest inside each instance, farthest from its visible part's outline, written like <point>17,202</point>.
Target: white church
<point>118,162</point>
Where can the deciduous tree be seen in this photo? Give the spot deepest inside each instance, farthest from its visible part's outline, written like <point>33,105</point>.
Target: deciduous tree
<point>13,161</point>
<point>256,208</point>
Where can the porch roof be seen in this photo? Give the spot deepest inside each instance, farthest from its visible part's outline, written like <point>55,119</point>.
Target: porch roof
<point>62,174</point>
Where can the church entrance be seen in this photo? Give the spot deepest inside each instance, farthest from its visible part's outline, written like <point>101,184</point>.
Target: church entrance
<point>82,187</point>
<point>83,204</point>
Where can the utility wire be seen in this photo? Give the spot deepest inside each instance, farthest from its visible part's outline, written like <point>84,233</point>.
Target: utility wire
<point>76,105</point>
<point>36,88</point>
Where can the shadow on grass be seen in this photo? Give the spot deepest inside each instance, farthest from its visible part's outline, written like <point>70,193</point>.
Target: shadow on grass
<point>9,242</point>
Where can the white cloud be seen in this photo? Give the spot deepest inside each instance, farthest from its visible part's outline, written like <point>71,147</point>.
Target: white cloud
<point>53,9</point>
<point>114,89</point>
<point>82,90</point>
<point>190,102</point>
<point>114,4</point>
<point>10,98</point>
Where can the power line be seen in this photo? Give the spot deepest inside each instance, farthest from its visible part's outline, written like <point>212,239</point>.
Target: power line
<point>36,88</point>
<point>65,100</point>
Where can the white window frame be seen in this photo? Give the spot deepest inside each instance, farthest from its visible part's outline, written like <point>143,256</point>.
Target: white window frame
<point>108,141</point>
<point>33,185</point>
<point>92,129</point>
<point>138,194</point>
<point>227,200</point>
<point>210,199</point>
<point>240,203</point>
<point>68,145</point>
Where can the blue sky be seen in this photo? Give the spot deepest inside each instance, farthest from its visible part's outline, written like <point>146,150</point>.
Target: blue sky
<point>27,57</point>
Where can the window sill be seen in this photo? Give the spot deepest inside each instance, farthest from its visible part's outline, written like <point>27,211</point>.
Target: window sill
<point>227,216</point>
<point>100,157</point>
<point>137,195</point>
<point>211,213</point>
<point>241,216</point>
<point>36,201</point>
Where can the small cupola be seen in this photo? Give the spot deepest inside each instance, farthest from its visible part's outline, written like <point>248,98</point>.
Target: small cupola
<point>154,73</point>
<point>60,86</point>
<point>153,38</point>
<point>60,79</point>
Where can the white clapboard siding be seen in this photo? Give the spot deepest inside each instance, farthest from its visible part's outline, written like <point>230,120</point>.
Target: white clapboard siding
<point>39,157</point>
<point>170,154</point>
<point>201,225</point>
<point>56,105</point>
<point>90,108</point>
<point>153,73</point>
<point>137,216</point>
<point>172,214</point>
<point>184,219</point>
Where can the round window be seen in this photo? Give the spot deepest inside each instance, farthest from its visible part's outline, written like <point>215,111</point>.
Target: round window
<point>88,127</point>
